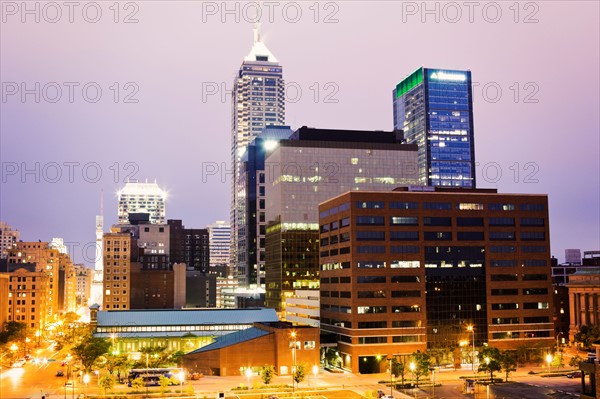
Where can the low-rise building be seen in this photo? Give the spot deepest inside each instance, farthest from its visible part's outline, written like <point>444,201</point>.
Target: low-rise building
<point>279,344</point>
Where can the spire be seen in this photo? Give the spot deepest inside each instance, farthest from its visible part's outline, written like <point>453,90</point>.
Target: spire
<point>102,202</point>
<point>256,30</point>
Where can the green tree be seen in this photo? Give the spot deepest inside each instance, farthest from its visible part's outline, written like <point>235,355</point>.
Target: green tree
<point>89,350</point>
<point>299,373</point>
<point>574,362</point>
<point>164,383</point>
<point>558,361</point>
<point>489,361</point>
<point>422,363</point>
<point>508,362</point>
<point>586,335</point>
<point>107,383</point>
<point>399,369</point>
<point>266,373</point>
<point>137,383</point>
<point>12,331</point>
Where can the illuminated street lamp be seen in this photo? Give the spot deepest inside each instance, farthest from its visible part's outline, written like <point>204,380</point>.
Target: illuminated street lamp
<point>549,360</point>
<point>27,340</point>
<point>248,373</point>
<point>293,343</point>
<point>86,380</point>
<point>412,366</point>
<point>315,370</point>
<point>181,377</point>
<point>472,329</point>
<point>13,349</point>
<point>38,334</point>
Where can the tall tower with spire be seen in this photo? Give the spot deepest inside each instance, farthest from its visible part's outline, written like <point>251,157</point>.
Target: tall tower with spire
<point>96,289</point>
<point>258,101</point>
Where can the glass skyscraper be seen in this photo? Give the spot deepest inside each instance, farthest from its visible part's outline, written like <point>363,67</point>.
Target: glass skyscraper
<point>257,101</point>
<point>434,108</point>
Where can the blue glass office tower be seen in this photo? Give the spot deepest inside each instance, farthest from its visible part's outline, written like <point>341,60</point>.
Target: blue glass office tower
<point>434,108</point>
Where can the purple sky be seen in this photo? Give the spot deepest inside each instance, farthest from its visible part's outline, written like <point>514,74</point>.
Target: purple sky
<point>541,132</point>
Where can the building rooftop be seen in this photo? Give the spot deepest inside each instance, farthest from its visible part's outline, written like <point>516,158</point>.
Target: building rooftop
<point>162,317</point>
<point>233,338</point>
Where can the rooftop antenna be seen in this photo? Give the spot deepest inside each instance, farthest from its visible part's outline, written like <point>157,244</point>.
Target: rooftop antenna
<point>256,30</point>
<point>101,202</point>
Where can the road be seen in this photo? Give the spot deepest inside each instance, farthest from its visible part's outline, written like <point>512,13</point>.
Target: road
<point>33,380</point>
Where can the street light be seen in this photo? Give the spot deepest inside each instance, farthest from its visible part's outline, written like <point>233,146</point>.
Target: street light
<point>294,341</point>
<point>248,373</point>
<point>549,360</point>
<point>472,329</point>
<point>315,370</point>
<point>412,366</point>
<point>38,334</point>
<point>389,359</point>
<point>181,377</point>
<point>86,380</point>
<point>557,344</point>
<point>27,340</point>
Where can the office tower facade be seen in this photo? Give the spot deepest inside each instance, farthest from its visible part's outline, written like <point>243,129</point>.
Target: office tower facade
<point>83,288</point>
<point>28,296</point>
<point>434,108</point>
<point>251,207</point>
<point>219,242</point>
<point>118,248</point>
<point>8,239</point>
<point>142,198</point>
<point>412,270</point>
<point>189,246</point>
<point>46,261</point>
<point>258,100</point>
<point>310,167</point>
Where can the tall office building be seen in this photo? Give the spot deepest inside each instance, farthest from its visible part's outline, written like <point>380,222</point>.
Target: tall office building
<point>412,269</point>
<point>8,239</point>
<point>96,288</point>
<point>189,246</point>
<point>142,198</point>
<point>310,167</point>
<point>219,241</point>
<point>434,107</point>
<point>251,210</point>
<point>258,100</point>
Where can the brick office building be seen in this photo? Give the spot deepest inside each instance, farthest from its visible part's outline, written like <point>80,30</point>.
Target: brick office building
<point>408,270</point>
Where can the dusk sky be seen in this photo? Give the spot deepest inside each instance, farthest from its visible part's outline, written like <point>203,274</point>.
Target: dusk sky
<point>536,98</point>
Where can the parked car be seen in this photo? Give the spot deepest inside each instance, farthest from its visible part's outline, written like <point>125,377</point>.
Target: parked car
<point>60,373</point>
<point>574,374</point>
<point>380,394</point>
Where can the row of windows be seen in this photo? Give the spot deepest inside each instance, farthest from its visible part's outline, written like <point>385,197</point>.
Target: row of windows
<point>211,327</point>
<point>448,206</point>
<point>526,334</point>
<point>516,320</point>
<point>381,249</point>
<point>515,291</point>
<point>374,220</point>
<point>515,277</point>
<point>515,306</point>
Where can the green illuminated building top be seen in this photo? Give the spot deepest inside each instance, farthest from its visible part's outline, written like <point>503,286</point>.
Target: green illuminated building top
<point>409,82</point>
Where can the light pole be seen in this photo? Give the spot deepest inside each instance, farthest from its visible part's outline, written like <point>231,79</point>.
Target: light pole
<point>13,349</point>
<point>472,329</point>
<point>389,359</point>
<point>549,361</point>
<point>557,344</point>
<point>27,340</point>
<point>181,377</point>
<point>293,336</point>
<point>248,373</point>
<point>38,334</point>
<point>315,370</point>
<point>412,366</point>
<point>86,380</point>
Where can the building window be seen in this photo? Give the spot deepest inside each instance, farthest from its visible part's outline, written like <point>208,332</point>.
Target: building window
<point>465,206</point>
<point>501,207</point>
<point>370,220</point>
<point>403,221</point>
<point>532,221</point>
<point>533,236</point>
<point>370,236</point>
<point>532,207</point>
<point>503,263</point>
<point>370,204</point>
<point>437,221</point>
<point>504,277</point>
<point>442,206</point>
<point>371,249</point>
<point>371,309</point>
<point>470,236</point>
<point>501,221</point>
<point>405,249</point>
<point>404,205</point>
<point>406,294</point>
<point>404,235</point>
<point>370,279</point>
<point>437,235</point>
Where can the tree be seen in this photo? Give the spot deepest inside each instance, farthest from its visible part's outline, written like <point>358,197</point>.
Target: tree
<point>508,362</point>
<point>164,383</point>
<point>266,373</point>
<point>116,364</point>
<point>299,373</point>
<point>13,331</point>
<point>422,363</point>
<point>558,361</point>
<point>89,350</point>
<point>586,335</point>
<point>399,369</point>
<point>137,383</point>
<point>489,361</point>
<point>107,383</point>
<point>574,362</point>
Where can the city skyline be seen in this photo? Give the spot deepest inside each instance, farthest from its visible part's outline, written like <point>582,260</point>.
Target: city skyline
<point>351,62</point>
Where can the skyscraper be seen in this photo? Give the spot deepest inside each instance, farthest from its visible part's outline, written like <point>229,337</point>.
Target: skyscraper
<point>96,289</point>
<point>8,238</point>
<point>434,107</point>
<point>142,198</point>
<point>257,101</point>
<point>219,240</point>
